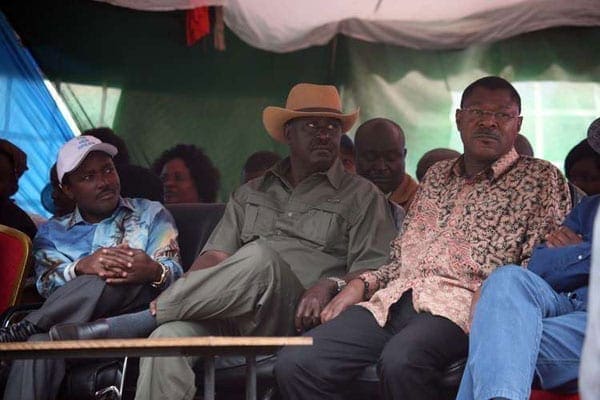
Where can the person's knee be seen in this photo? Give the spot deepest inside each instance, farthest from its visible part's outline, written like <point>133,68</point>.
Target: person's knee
<point>261,257</point>
<point>176,329</point>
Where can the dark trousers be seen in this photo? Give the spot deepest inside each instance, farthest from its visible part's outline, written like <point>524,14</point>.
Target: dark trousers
<point>81,300</point>
<point>411,352</point>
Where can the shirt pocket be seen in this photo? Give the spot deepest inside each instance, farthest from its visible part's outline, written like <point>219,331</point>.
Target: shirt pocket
<point>259,218</point>
<point>324,225</point>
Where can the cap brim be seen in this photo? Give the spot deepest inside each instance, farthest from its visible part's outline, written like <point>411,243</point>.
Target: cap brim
<point>274,119</point>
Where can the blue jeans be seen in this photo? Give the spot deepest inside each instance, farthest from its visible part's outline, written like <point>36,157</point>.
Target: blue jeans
<point>521,327</point>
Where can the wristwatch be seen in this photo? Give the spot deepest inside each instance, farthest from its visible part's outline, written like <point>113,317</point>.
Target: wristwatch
<point>340,283</point>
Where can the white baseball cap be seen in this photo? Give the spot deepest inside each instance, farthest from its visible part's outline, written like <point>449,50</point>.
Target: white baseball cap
<point>75,150</point>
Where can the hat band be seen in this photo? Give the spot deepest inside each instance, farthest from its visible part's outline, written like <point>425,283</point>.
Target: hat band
<point>319,109</point>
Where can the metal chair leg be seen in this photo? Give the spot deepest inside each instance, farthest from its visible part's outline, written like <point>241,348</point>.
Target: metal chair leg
<point>112,392</point>
<point>250,377</point>
<point>209,378</point>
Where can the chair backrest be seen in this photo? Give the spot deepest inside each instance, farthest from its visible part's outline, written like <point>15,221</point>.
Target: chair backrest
<point>15,261</point>
<point>195,222</point>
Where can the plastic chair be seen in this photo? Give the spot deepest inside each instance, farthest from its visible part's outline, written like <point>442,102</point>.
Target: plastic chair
<point>15,261</point>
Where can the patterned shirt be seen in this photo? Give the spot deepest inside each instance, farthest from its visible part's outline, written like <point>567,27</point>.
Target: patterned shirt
<point>459,229</point>
<point>62,242</point>
<point>331,223</point>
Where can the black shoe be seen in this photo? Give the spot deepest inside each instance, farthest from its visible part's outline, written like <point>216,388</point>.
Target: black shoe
<point>19,332</point>
<point>83,331</point>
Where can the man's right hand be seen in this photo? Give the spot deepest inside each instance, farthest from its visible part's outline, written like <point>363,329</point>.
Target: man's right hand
<point>561,237</point>
<point>106,262</point>
<point>352,294</point>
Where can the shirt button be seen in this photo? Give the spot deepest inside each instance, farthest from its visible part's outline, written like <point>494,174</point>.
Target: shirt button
<point>580,257</point>
<point>278,232</point>
<point>290,214</point>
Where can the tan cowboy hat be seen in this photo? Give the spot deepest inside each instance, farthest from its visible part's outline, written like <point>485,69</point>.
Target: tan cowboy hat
<point>307,100</point>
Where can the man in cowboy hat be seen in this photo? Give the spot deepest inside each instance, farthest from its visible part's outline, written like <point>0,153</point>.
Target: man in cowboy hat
<point>287,243</point>
<point>488,208</point>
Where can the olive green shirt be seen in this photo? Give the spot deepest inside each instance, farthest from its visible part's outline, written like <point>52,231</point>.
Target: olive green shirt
<point>331,223</point>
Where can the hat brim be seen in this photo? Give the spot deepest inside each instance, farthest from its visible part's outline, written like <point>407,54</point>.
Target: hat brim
<point>274,119</point>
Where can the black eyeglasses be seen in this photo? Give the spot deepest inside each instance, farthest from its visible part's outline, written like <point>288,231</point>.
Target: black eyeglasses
<point>476,113</point>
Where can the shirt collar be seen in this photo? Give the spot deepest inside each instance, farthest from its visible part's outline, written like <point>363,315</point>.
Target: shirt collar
<point>493,172</point>
<point>76,217</point>
<point>334,174</point>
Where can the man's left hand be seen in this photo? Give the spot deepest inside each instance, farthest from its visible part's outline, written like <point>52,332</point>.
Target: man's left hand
<point>143,269</point>
<point>563,236</point>
<point>314,299</point>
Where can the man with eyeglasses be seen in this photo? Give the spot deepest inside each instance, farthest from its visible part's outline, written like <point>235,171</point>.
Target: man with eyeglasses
<point>487,208</point>
<point>287,243</point>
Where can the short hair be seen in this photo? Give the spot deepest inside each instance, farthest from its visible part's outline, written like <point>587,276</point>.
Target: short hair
<point>522,146</point>
<point>346,144</point>
<point>492,83</point>
<point>9,156</point>
<point>260,161</point>
<point>433,156</point>
<point>13,178</point>
<point>205,175</point>
<point>107,135</point>
<point>581,151</point>
<point>379,121</point>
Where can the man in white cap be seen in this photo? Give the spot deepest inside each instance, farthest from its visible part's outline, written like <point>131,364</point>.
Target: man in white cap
<point>287,243</point>
<point>111,255</point>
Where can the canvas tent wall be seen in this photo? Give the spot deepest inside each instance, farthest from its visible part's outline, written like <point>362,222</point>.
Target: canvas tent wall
<point>131,69</point>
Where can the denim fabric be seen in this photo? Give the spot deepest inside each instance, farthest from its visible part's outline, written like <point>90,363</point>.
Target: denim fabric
<point>521,327</point>
<point>567,268</point>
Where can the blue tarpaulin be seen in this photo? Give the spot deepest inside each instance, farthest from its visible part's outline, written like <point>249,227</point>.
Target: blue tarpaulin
<point>29,117</point>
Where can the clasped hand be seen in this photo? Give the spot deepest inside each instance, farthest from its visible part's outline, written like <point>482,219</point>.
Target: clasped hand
<point>118,265</point>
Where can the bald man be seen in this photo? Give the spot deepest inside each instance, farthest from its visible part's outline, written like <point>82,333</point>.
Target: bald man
<point>380,158</point>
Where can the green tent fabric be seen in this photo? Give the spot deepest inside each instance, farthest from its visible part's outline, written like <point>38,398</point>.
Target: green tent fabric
<point>157,92</point>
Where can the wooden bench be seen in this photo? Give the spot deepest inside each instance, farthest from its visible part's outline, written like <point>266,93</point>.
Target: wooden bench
<point>208,346</point>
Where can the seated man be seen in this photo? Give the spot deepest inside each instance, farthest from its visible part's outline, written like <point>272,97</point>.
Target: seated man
<point>529,324</point>
<point>136,181</point>
<point>10,213</point>
<point>487,208</point>
<point>380,155</point>
<point>347,154</point>
<point>431,157</point>
<point>109,256</point>
<point>522,146</point>
<point>258,163</point>
<point>582,168</point>
<point>267,266</point>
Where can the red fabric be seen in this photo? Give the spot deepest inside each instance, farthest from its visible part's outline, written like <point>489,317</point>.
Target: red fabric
<point>543,395</point>
<point>197,24</point>
<point>11,256</point>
